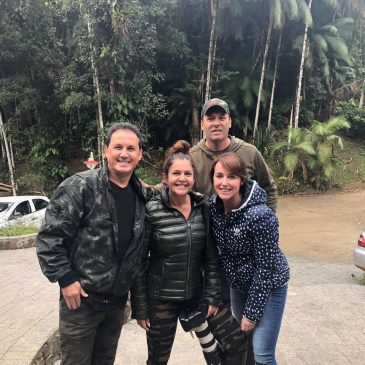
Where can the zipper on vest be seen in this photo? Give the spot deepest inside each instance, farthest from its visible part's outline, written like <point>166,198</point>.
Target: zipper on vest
<point>189,255</point>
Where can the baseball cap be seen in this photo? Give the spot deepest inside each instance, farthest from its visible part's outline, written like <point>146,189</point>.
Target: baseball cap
<point>214,102</point>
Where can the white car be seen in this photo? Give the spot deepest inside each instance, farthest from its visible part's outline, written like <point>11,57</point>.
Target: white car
<point>359,252</point>
<point>26,209</point>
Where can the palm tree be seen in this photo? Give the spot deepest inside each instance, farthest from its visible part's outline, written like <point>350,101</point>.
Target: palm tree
<point>324,141</point>
<point>356,10</point>
<point>274,81</point>
<point>313,150</point>
<point>295,151</point>
<point>327,45</point>
<point>85,11</point>
<point>280,10</point>
<point>214,4</point>
<point>267,45</point>
<point>301,70</point>
<point>328,49</point>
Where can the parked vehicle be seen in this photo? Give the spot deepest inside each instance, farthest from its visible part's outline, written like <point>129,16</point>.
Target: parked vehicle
<point>359,252</point>
<point>27,209</point>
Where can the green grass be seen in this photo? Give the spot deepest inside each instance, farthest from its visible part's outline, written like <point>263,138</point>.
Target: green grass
<point>352,167</point>
<point>17,230</point>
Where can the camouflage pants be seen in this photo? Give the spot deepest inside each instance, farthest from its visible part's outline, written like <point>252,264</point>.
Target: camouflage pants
<point>89,337</point>
<point>163,320</point>
<point>226,297</point>
<point>160,337</point>
<point>227,332</point>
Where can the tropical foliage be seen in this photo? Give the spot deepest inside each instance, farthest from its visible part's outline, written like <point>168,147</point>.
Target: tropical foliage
<point>313,150</point>
<point>68,69</point>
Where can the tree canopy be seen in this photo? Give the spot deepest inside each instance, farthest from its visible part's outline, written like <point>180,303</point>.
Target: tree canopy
<point>68,69</point>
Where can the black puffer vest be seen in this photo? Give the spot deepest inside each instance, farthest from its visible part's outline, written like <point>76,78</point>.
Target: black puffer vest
<point>178,252</point>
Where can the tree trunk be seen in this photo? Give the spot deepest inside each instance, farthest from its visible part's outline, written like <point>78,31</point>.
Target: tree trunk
<point>113,88</point>
<point>268,39</point>
<point>198,96</point>
<point>274,82</point>
<point>212,44</point>
<point>112,82</point>
<point>213,61</point>
<point>11,153</point>
<point>3,154</point>
<point>8,154</point>
<point>290,125</point>
<point>361,102</point>
<point>301,70</point>
<point>100,122</point>
<point>195,125</point>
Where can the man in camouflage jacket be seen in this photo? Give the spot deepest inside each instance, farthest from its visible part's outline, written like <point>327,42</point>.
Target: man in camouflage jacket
<point>82,246</point>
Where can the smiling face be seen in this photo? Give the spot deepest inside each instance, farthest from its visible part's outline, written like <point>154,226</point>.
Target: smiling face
<point>180,177</point>
<point>227,186</point>
<point>216,125</point>
<point>123,154</point>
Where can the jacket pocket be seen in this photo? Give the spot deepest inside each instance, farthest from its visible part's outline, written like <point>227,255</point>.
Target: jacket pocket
<point>153,285</point>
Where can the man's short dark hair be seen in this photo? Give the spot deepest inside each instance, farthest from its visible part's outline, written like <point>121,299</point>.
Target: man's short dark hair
<point>122,125</point>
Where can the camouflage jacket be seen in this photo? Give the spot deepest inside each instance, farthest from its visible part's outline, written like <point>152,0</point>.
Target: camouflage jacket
<point>78,239</point>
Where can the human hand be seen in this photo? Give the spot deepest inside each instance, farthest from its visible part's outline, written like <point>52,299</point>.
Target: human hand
<point>212,311</point>
<point>72,294</point>
<point>247,325</point>
<point>144,323</point>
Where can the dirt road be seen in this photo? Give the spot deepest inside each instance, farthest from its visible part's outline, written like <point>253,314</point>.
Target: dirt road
<point>322,227</point>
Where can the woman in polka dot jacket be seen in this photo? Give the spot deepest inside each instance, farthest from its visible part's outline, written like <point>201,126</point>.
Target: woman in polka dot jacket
<point>246,232</point>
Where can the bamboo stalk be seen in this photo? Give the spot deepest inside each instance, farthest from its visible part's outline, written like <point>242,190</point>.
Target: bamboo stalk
<point>8,154</point>
<point>301,71</point>
<point>267,45</point>
<point>274,82</point>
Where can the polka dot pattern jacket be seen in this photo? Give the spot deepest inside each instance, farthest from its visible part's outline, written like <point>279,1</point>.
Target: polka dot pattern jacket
<point>248,244</point>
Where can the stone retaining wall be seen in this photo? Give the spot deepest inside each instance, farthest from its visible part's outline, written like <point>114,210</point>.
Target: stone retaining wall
<point>49,353</point>
<point>15,242</point>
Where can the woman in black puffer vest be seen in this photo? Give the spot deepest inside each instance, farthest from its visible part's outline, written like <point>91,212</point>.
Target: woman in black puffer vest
<point>180,274</point>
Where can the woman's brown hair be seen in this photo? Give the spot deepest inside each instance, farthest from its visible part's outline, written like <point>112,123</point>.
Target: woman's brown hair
<point>179,151</point>
<point>232,163</point>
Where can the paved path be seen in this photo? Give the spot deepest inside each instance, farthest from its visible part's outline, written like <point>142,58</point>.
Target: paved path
<point>28,307</point>
<point>324,321</point>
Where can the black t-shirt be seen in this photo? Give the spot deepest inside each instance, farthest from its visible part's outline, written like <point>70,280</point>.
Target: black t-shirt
<point>125,203</point>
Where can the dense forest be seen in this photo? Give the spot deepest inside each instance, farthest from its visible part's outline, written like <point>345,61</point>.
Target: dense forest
<point>293,69</point>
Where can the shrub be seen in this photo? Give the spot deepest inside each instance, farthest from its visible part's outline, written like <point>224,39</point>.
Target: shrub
<point>287,185</point>
<point>312,150</point>
<point>354,115</point>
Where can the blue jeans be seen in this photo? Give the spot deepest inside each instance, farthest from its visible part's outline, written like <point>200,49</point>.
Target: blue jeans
<point>266,332</point>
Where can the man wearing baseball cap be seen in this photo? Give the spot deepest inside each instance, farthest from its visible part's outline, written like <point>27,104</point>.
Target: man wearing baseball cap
<point>215,123</point>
